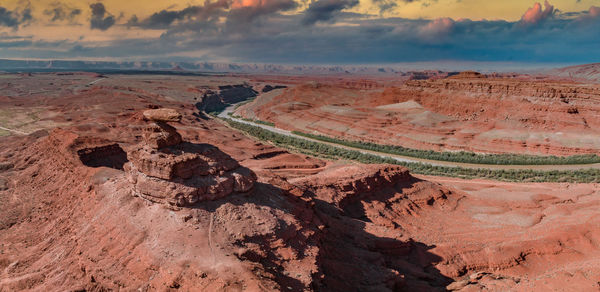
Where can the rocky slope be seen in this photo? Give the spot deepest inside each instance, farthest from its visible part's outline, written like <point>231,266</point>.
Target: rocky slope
<point>587,72</point>
<point>96,234</point>
<point>71,219</point>
<point>463,112</point>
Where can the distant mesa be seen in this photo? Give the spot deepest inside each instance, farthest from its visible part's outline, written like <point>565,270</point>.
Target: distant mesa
<point>467,75</point>
<point>428,74</point>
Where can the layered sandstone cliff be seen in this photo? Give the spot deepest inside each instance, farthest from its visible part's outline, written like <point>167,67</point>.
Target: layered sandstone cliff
<point>467,111</point>
<point>167,170</point>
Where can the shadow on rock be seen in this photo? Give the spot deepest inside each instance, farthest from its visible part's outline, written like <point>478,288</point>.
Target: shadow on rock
<point>353,259</point>
<point>303,242</point>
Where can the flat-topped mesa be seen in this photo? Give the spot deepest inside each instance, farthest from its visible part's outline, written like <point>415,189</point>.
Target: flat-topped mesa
<point>467,75</point>
<point>167,170</point>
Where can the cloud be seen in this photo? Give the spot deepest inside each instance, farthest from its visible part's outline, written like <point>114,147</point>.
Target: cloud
<point>237,15</point>
<point>385,5</point>
<point>12,18</point>
<point>61,12</point>
<point>101,19</point>
<point>246,11</point>
<point>26,16</point>
<point>281,40</point>
<point>438,27</point>
<point>165,18</point>
<point>594,11</point>
<point>325,10</point>
<point>591,14</point>
<point>259,31</point>
<point>535,14</point>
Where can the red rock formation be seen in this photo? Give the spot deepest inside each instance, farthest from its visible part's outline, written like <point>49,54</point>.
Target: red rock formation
<point>465,112</point>
<point>225,94</point>
<point>166,170</point>
<point>161,135</point>
<point>68,220</point>
<point>279,236</point>
<point>344,181</point>
<point>162,115</point>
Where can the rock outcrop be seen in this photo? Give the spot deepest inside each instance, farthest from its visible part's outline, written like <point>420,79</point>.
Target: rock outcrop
<point>351,180</point>
<point>163,115</point>
<point>218,99</point>
<point>68,221</point>
<point>166,170</point>
<point>492,88</point>
<point>348,186</point>
<point>269,87</point>
<point>160,134</point>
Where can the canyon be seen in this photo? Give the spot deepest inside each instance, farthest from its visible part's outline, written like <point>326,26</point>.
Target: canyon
<point>483,114</point>
<point>125,182</point>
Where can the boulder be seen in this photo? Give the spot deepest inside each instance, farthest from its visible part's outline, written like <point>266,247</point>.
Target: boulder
<point>244,179</point>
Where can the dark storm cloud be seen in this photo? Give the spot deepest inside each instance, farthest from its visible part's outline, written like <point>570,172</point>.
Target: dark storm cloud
<point>325,10</point>
<point>101,19</point>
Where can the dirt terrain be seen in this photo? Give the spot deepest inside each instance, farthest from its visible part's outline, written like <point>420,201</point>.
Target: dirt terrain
<point>468,111</point>
<point>117,198</point>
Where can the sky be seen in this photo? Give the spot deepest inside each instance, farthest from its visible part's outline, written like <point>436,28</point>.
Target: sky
<point>303,31</point>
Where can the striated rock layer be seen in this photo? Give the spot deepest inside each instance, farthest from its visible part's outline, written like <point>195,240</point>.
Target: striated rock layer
<point>468,111</point>
<point>185,174</point>
<point>69,222</point>
<point>164,169</point>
